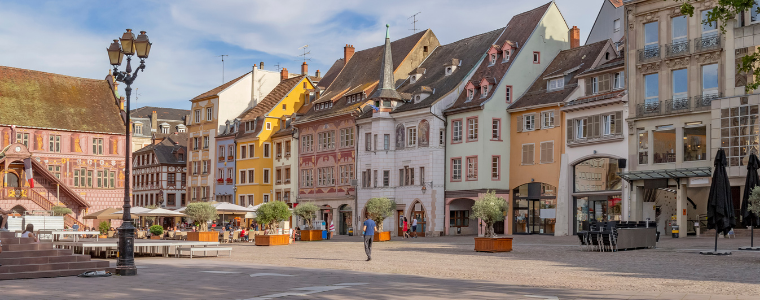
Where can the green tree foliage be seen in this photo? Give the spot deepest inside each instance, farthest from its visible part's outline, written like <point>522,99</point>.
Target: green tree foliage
<point>61,210</point>
<point>271,214</point>
<point>202,212</point>
<point>103,227</point>
<point>725,11</point>
<point>306,211</point>
<point>156,230</point>
<point>378,209</point>
<point>490,209</point>
<point>754,201</point>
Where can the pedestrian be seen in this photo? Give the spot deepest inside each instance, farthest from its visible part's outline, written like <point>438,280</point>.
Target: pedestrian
<point>406,228</point>
<point>369,234</point>
<point>4,223</point>
<point>414,227</point>
<point>332,230</point>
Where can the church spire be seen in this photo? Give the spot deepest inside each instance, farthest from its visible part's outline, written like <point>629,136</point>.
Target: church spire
<point>386,88</point>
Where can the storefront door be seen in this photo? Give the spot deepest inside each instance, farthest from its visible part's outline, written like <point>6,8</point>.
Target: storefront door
<point>421,222</point>
<point>533,216</point>
<point>597,208</point>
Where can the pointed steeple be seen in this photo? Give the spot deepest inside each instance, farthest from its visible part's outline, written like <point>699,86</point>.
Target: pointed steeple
<point>386,88</point>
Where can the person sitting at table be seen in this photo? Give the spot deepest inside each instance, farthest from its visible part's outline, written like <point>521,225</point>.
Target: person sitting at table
<point>29,233</point>
<point>243,236</point>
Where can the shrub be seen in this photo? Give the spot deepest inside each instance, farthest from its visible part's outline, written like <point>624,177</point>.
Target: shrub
<point>271,213</point>
<point>202,212</point>
<point>306,211</point>
<point>61,210</point>
<point>490,209</point>
<point>103,227</point>
<point>378,209</point>
<point>156,230</point>
<point>754,202</point>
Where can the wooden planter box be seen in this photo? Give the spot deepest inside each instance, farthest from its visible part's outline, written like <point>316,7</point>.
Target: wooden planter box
<point>272,240</point>
<point>382,236</point>
<point>311,235</point>
<point>502,244</point>
<point>155,237</point>
<point>102,236</point>
<point>208,236</point>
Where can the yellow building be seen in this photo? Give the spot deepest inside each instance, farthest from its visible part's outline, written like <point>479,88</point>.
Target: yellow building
<point>254,164</point>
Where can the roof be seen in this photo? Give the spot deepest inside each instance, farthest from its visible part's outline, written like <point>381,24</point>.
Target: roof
<point>161,113</point>
<point>518,30</point>
<point>577,59</point>
<point>215,91</point>
<point>270,101</point>
<point>285,131</point>
<point>469,51</point>
<point>616,3</point>
<point>617,62</point>
<point>46,100</point>
<point>167,147</point>
<point>361,70</point>
<point>331,74</point>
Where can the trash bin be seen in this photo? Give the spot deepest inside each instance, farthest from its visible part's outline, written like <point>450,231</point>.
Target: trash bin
<point>324,234</point>
<point>350,231</point>
<point>674,231</point>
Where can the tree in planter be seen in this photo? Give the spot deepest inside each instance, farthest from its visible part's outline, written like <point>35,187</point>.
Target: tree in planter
<point>380,208</point>
<point>150,219</point>
<point>202,212</point>
<point>61,210</point>
<point>103,227</point>
<point>490,209</point>
<point>754,202</point>
<point>271,214</point>
<point>306,211</point>
<point>156,230</point>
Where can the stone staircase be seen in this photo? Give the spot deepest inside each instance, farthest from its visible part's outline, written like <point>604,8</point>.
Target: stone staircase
<point>21,258</point>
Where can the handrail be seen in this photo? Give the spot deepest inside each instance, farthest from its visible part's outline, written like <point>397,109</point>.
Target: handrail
<point>47,205</point>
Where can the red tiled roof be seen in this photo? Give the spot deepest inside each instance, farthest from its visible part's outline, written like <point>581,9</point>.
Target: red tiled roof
<point>270,101</point>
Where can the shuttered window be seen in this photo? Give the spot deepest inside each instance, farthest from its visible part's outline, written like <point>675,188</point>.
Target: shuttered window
<point>547,152</point>
<point>528,152</point>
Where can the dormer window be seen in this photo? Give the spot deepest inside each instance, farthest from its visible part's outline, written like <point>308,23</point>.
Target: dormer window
<point>556,84</point>
<point>470,94</point>
<point>449,70</point>
<point>180,128</point>
<point>484,91</point>
<point>416,98</point>
<point>493,59</point>
<point>413,79</point>
<point>250,126</point>
<point>506,54</point>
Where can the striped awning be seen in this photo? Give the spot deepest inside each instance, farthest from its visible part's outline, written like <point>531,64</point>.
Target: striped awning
<point>666,173</point>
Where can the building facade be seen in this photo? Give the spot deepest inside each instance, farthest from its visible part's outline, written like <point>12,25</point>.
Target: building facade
<point>148,121</point>
<point>609,23</point>
<point>285,166</point>
<point>530,42</point>
<point>160,173</point>
<point>225,162</point>
<point>77,159</point>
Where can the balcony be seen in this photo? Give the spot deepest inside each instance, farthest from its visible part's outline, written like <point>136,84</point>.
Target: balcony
<point>707,43</point>
<point>649,54</point>
<point>704,102</point>
<point>676,106</point>
<point>677,49</point>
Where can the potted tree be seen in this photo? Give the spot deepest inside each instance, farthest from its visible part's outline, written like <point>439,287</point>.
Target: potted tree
<point>156,232</point>
<point>202,212</point>
<point>61,210</point>
<point>308,211</point>
<point>378,209</point>
<point>103,228</point>
<point>491,209</point>
<point>270,215</point>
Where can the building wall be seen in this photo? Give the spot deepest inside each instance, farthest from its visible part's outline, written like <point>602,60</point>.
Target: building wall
<point>160,186</point>
<point>283,162</point>
<point>225,190</point>
<point>604,25</point>
<point>537,172</point>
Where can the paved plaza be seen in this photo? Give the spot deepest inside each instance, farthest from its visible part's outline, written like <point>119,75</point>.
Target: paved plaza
<point>540,267</point>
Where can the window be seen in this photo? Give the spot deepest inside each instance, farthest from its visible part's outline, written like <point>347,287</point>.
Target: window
<point>209,111</point>
<point>197,116</point>
<point>386,178</point>
<point>754,13</point>
<point>89,178</point>
<point>111,179</point>
<point>267,150</point>
<point>496,129</point>
<point>651,36</point>
<point>680,29</point>
<point>171,179</point>
<point>408,175</point>
<point>346,174</point>
<point>287,148</point>
<point>496,167</point>
<point>459,218</point>
<point>269,125</point>
<point>709,29</point>
<point>529,122</point>
<point>374,178</point>
<point>205,142</point>
<point>739,132</point>
<point>456,169</point>
<point>266,198</point>
<point>267,176</point>
<point>493,59</point>
<point>307,143</point>
<point>608,124</point>
<point>619,81</point>
<point>56,170</point>
<point>616,25</point>
<point>664,144</point>
<point>366,178</point>
<point>472,129</point>
<point>242,177</point>
<point>581,128</point>
<point>506,54</point>
<point>386,142</point>
<point>220,174</point>
<point>597,174</point>
<point>368,141</point>
<point>55,143</point>
<point>165,129</point>
<point>695,143</point>
<point>547,152</point>
<point>470,93</point>
<point>325,176</point>
<point>326,140</point>
<point>680,86</point>
<point>441,137</point>
<point>243,151</point>
<point>651,91</point>
<point>556,84</point>
<point>196,143</point>
<point>594,85</point>
<point>181,128</point>
<point>508,92</point>
<point>205,164</point>
<point>138,129</point>
<point>307,178</point>
<point>99,179</point>
<point>710,81</point>
<point>97,146</point>
<point>22,138</point>
<point>484,90</point>
<point>547,119</point>
<point>528,151</point>
<point>472,168</point>
<point>411,136</point>
<point>456,131</point>
<point>536,57</point>
<point>347,137</point>
<point>278,150</point>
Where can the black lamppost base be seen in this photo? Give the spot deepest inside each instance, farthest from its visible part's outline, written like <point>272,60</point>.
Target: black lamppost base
<point>125,265</point>
<point>126,271</point>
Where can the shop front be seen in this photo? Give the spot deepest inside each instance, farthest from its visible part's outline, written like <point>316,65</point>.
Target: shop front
<point>535,208</point>
<point>597,192</point>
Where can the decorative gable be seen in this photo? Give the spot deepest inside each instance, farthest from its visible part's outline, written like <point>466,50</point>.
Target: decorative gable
<point>493,54</point>
<point>486,85</point>
<point>507,49</point>
<point>470,89</point>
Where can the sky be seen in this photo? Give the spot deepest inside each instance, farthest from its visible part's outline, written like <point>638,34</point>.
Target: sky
<point>70,37</point>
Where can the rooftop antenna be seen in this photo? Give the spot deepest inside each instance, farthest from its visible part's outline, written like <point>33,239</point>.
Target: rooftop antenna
<point>223,55</point>
<point>414,22</point>
<point>278,66</point>
<point>137,94</point>
<point>305,52</point>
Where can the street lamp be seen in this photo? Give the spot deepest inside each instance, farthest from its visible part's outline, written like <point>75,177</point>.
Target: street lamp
<point>130,45</point>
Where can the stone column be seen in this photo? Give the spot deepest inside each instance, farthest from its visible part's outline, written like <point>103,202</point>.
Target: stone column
<point>681,207</point>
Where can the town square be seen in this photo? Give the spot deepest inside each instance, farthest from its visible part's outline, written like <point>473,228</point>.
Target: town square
<point>567,149</point>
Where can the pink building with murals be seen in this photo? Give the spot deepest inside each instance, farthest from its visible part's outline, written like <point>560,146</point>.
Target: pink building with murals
<point>73,130</point>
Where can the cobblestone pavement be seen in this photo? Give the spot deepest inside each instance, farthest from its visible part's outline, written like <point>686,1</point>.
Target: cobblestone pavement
<point>540,267</point>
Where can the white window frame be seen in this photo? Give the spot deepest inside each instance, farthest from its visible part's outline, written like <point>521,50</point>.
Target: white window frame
<point>197,116</point>
<point>619,80</point>
<point>581,129</point>
<point>680,38</point>
<point>710,91</point>
<point>547,119</point>
<point>506,54</point>
<point>269,125</point>
<point>594,85</point>
<point>472,129</point>
<point>266,176</point>
<point>651,99</point>
<point>209,113</point>
<point>411,136</point>
<point>529,122</point>
<point>457,130</point>
<point>495,129</point>
<point>456,173</point>
<point>607,121</point>
<point>470,93</point>
<point>264,148</point>
<point>555,84</point>
<point>616,25</point>
<point>494,57</point>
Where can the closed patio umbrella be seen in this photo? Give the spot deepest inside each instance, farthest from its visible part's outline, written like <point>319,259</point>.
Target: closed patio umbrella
<point>749,218</point>
<point>720,210</point>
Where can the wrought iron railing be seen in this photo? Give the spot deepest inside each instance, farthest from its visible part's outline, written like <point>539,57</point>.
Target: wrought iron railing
<point>677,105</point>
<point>677,48</point>
<point>649,54</point>
<point>707,43</point>
<point>648,109</point>
<point>704,102</point>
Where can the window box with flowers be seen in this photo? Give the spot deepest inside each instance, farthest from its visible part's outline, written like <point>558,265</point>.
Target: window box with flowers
<point>221,158</point>
<point>220,180</point>
<point>229,180</point>
<point>230,158</point>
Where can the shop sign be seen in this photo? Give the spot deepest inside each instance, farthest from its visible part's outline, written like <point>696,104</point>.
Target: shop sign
<point>699,180</point>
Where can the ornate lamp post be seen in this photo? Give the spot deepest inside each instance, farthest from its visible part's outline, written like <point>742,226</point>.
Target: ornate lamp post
<point>130,45</point>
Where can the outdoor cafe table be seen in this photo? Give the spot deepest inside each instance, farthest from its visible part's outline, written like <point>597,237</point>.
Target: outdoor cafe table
<point>76,234</point>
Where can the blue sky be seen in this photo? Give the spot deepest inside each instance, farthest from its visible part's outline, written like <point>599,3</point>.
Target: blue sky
<point>70,37</point>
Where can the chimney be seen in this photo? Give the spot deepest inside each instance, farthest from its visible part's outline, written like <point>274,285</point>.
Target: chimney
<point>261,65</point>
<point>154,122</point>
<point>348,52</point>
<point>317,74</point>
<point>575,37</point>
<point>283,74</point>
<point>304,69</point>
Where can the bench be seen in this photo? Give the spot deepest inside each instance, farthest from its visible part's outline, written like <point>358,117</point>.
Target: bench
<point>203,249</point>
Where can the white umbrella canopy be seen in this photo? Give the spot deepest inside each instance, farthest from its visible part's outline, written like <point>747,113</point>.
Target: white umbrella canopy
<point>134,210</point>
<point>160,212</point>
<point>229,208</point>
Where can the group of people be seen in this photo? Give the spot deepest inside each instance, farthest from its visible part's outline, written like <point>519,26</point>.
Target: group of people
<point>408,232</point>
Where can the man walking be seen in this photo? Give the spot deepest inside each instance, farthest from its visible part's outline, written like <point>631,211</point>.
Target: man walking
<point>414,227</point>
<point>369,233</point>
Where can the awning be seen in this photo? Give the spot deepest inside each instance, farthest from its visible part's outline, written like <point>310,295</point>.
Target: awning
<point>666,173</point>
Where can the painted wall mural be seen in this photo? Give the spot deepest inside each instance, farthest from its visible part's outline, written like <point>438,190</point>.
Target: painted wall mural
<point>424,134</point>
